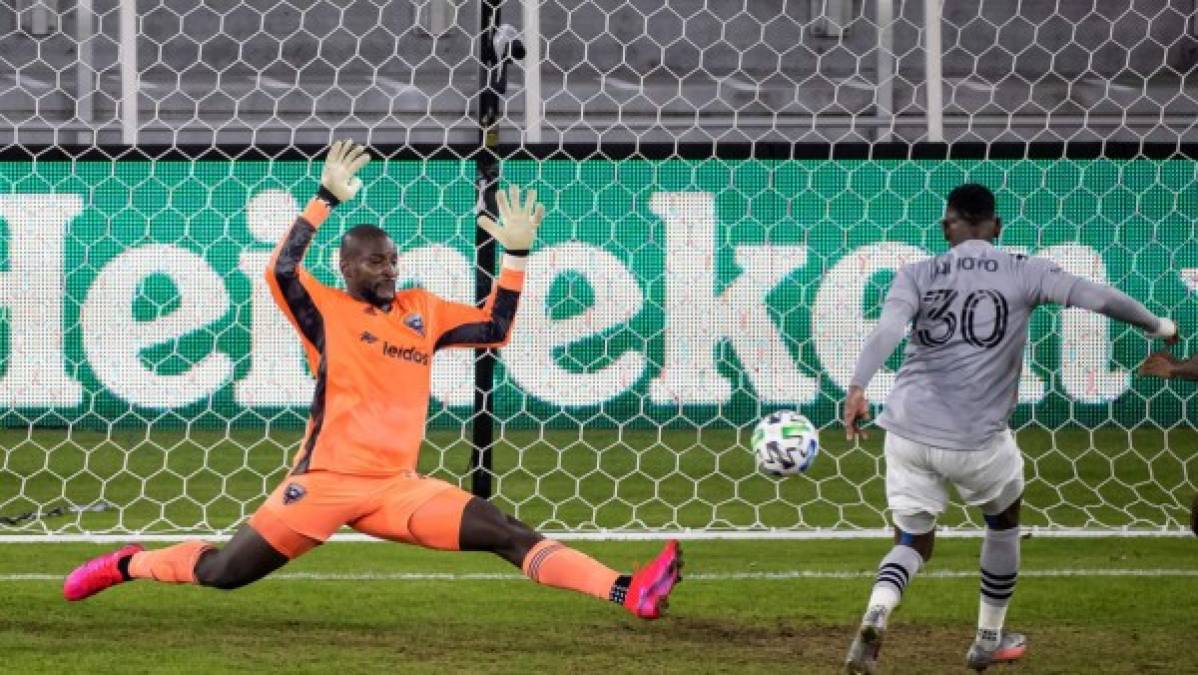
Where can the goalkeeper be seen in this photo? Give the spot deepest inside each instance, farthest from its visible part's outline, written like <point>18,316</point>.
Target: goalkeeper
<point>371,348</point>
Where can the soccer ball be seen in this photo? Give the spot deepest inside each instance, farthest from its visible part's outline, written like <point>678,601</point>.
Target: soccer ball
<point>785,443</point>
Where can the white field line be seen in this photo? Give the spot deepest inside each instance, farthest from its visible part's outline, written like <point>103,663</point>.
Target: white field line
<point>34,537</point>
<point>699,576</point>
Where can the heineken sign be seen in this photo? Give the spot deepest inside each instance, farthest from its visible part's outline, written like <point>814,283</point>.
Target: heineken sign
<point>661,290</point>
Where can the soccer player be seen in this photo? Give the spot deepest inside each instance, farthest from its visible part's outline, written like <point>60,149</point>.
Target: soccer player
<point>946,417</point>
<point>371,348</point>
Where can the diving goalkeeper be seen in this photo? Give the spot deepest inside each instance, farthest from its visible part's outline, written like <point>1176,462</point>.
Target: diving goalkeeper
<point>371,348</point>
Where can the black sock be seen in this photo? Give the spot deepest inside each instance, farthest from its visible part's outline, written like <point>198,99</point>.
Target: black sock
<point>619,589</point>
<point>123,566</point>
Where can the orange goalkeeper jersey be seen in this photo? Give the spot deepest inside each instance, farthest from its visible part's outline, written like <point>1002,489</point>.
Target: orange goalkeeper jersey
<point>373,367</point>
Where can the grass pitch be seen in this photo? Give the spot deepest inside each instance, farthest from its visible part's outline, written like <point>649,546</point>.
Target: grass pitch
<point>172,480</point>
<point>744,607</point>
<point>1087,605</point>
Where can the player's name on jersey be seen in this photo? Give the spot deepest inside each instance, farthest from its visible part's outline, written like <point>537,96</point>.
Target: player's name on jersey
<point>672,331</point>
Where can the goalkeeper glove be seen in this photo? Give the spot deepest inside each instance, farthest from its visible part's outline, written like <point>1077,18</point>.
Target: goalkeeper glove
<point>337,178</point>
<point>519,221</point>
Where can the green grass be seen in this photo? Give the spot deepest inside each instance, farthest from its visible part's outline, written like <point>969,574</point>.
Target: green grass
<point>1075,624</point>
<point>166,480</point>
<point>171,480</point>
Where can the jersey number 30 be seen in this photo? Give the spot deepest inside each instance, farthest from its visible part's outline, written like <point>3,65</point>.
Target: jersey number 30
<point>940,310</point>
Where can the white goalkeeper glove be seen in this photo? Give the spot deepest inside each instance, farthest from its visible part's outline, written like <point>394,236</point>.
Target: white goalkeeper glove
<point>338,177</point>
<point>519,221</point>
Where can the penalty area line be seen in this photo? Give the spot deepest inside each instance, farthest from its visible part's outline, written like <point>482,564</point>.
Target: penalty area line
<point>698,576</point>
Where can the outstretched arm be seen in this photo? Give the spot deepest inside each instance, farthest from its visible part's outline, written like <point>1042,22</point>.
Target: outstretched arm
<point>1046,282</point>
<point>1118,305</point>
<point>461,325</point>
<point>295,291</point>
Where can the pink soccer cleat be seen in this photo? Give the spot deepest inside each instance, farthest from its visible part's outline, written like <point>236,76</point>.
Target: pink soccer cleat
<point>1010,649</point>
<point>96,574</point>
<point>649,591</point>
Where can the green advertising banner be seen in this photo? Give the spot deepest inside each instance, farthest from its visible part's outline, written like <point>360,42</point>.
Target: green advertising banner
<point>672,292</point>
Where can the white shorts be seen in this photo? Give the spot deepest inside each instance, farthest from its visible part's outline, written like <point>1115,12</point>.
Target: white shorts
<point>916,476</point>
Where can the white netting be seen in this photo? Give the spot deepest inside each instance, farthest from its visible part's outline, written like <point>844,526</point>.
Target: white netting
<point>730,185</point>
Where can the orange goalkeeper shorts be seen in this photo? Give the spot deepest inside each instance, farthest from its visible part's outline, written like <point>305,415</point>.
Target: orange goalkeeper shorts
<point>306,509</point>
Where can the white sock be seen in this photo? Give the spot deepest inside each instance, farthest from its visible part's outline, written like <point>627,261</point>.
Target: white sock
<point>990,623</point>
<point>882,602</point>
<point>1000,571</point>
<point>894,572</point>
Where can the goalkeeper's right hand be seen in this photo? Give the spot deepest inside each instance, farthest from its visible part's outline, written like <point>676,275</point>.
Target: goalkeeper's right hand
<point>341,165</point>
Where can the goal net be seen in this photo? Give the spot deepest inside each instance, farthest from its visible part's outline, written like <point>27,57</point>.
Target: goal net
<point>730,187</point>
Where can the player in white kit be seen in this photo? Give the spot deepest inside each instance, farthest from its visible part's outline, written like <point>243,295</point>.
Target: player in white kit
<point>946,417</point>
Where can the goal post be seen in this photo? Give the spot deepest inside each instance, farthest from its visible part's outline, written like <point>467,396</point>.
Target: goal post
<point>729,192</point>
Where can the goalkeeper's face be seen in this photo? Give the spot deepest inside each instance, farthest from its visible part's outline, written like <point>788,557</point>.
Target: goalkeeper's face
<point>369,265</point>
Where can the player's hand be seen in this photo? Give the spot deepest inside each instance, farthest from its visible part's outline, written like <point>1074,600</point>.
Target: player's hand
<point>1160,364</point>
<point>519,220</point>
<point>856,411</point>
<point>339,175</point>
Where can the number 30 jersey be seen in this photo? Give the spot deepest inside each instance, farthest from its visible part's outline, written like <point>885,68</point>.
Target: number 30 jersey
<point>959,381</point>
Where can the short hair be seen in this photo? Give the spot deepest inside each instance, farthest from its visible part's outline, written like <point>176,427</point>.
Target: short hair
<point>360,233</point>
<point>973,202</point>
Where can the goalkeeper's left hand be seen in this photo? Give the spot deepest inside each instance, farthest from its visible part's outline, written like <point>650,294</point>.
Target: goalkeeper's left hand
<point>519,220</point>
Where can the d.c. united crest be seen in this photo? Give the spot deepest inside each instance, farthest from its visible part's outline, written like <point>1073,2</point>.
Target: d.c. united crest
<point>293,493</point>
<point>415,322</point>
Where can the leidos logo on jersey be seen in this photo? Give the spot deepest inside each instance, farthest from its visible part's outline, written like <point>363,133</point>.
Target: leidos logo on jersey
<point>396,352</point>
<point>406,354</point>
